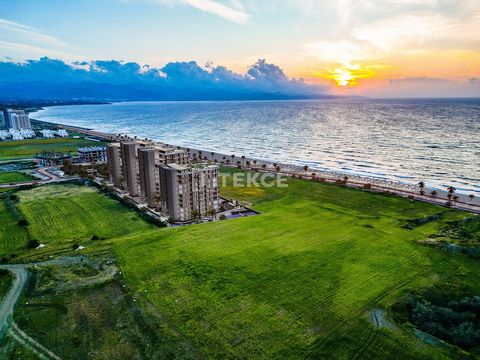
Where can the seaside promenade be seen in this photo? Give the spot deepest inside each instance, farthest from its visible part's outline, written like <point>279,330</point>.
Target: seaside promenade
<point>379,185</point>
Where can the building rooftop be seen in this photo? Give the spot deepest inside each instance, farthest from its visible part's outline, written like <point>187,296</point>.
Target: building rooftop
<point>91,148</point>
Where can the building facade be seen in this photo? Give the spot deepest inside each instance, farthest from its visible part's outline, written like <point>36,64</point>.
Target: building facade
<point>16,119</point>
<point>114,161</point>
<point>188,192</point>
<point>92,154</point>
<point>148,177</point>
<point>128,151</point>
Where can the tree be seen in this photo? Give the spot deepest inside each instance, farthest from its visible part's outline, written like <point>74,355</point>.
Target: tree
<point>434,193</point>
<point>471,196</point>
<point>210,212</point>
<point>455,198</point>
<point>264,166</point>
<point>33,244</point>
<point>345,179</point>
<point>313,175</point>
<point>254,162</point>
<point>247,163</point>
<point>243,159</point>
<point>222,217</point>
<point>195,215</point>
<point>305,169</point>
<point>212,154</point>
<point>23,222</point>
<point>421,186</point>
<point>451,190</point>
<point>278,168</point>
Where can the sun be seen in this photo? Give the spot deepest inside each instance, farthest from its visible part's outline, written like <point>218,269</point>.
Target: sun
<point>347,74</point>
<point>343,77</point>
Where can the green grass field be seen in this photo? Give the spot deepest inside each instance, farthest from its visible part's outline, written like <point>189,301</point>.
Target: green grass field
<point>12,237</point>
<point>61,213</point>
<point>13,176</point>
<point>28,148</point>
<point>298,281</point>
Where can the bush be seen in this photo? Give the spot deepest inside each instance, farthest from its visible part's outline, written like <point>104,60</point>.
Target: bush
<point>23,222</point>
<point>95,237</point>
<point>14,197</point>
<point>33,244</point>
<point>222,217</point>
<point>75,246</point>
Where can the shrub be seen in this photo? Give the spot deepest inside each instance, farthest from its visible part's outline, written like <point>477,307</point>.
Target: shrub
<point>75,246</point>
<point>95,237</point>
<point>23,222</point>
<point>33,244</point>
<point>222,217</point>
<point>14,197</point>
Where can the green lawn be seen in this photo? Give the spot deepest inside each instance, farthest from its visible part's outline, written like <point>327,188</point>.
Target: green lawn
<point>28,148</point>
<point>297,281</point>
<point>12,237</point>
<point>13,176</point>
<point>59,213</point>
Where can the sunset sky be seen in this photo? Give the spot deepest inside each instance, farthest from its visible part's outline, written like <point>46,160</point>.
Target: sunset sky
<point>385,48</point>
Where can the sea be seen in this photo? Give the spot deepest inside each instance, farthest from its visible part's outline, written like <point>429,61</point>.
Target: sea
<point>406,140</point>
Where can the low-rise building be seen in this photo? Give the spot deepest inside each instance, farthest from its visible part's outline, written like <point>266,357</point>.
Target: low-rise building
<point>92,154</point>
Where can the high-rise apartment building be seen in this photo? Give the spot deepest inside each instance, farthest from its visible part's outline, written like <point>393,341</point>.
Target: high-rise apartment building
<point>114,160</point>
<point>16,119</point>
<point>148,177</point>
<point>128,150</point>
<point>187,192</point>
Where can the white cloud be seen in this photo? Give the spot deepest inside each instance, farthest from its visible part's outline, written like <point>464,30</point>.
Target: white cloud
<point>27,50</point>
<point>30,33</point>
<point>233,13</point>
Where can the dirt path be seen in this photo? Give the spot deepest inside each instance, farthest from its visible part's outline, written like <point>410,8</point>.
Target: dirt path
<point>30,343</point>
<point>20,274</point>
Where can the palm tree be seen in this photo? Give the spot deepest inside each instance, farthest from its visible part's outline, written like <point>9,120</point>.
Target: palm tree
<point>264,166</point>
<point>313,175</point>
<point>247,163</point>
<point>345,178</point>
<point>233,156</point>
<point>305,169</point>
<point>451,190</point>
<point>254,162</point>
<point>278,168</point>
<point>212,153</point>
<point>471,196</point>
<point>243,159</point>
<point>421,185</point>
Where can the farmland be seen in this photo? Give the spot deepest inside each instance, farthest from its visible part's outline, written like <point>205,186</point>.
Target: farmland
<point>13,176</point>
<point>60,213</point>
<point>24,149</point>
<point>302,280</point>
<point>312,276</point>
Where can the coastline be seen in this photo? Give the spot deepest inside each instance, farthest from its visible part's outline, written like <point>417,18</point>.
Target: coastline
<point>376,185</point>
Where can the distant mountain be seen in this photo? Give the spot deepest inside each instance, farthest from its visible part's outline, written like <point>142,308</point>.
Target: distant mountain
<point>49,79</point>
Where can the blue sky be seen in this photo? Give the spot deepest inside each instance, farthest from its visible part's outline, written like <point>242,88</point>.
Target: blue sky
<point>366,47</point>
